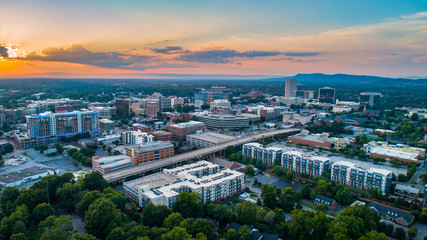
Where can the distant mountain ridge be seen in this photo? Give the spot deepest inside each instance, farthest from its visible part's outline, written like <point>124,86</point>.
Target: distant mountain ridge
<point>346,79</point>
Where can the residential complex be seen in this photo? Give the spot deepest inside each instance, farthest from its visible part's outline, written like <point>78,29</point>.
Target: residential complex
<point>314,166</point>
<point>347,173</point>
<point>257,151</point>
<point>208,139</point>
<point>212,182</point>
<point>136,137</point>
<point>106,126</point>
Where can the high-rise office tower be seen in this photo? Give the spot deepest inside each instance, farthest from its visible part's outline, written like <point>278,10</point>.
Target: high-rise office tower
<point>291,88</point>
<point>371,98</point>
<point>123,107</point>
<point>327,95</point>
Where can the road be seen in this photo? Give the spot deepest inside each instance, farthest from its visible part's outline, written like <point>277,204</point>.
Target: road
<point>196,154</point>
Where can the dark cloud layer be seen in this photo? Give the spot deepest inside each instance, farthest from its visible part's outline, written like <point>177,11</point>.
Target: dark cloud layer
<point>227,55</point>
<point>79,54</point>
<point>3,52</point>
<point>167,49</point>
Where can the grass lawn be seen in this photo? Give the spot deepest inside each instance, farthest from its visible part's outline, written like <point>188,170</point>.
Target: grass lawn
<point>26,154</point>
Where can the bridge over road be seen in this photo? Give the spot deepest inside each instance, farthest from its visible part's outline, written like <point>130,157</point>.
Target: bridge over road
<point>141,169</point>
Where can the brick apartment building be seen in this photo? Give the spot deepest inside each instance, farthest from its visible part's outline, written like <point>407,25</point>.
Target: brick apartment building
<point>149,152</point>
<point>181,130</point>
<point>162,136</point>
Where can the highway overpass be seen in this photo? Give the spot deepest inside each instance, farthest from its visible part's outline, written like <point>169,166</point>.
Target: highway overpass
<point>202,153</point>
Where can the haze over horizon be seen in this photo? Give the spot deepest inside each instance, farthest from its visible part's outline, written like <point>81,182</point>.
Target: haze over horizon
<point>134,39</point>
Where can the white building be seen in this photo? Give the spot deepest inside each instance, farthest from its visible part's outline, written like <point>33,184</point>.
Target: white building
<point>13,179</point>
<point>349,174</point>
<point>221,106</point>
<point>296,162</point>
<point>212,182</point>
<point>207,139</point>
<point>257,151</point>
<point>296,117</point>
<point>136,137</point>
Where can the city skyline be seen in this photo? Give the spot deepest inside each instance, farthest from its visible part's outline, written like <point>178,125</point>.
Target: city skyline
<point>275,38</point>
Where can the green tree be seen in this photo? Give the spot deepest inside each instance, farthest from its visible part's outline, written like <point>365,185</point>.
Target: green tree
<point>412,232</point>
<point>232,234</point>
<point>102,217</point>
<point>18,236</point>
<point>320,225</point>
<point>42,211</point>
<point>269,196</point>
<point>220,212</point>
<point>69,196</point>
<point>87,199</point>
<point>116,233</point>
<point>9,196</point>
<point>173,220</point>
<point>250,170</point>
<point>189,205</point>
<point>153,215</point>
<point>177,233</point>
<point>343,196</point>
<point>206,227</point>
<point>246,212</point>
<point>56,228</point>
<point>82,236</point>
<point>115,196</point>
<point>414,117</point>
<point>94,181</point>
<point>301,221</point>
<point>306,191</point>
<point>374,235</point>
<point>244,233</point>
<point>400,233</point>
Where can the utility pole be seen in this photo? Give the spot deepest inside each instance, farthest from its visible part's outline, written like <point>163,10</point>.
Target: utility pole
<point>47,190</point>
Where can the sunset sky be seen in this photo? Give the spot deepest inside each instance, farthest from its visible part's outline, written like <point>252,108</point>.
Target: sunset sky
<point>106,38</point>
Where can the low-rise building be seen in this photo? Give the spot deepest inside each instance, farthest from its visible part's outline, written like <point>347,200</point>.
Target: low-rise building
<point>320,199</point>
<point>208,139</point>
<point>394,215</point>
<point>162,136</point>
<point>312,140</point>
<point>220,106</point>
<point>212,182</point>
<point>141,127</point>
<point>150,152</point>
<point>17,178</point>
<point>181,130</point>
<point>111,164</point>
<point>407,192</point>
<point>398,152</point>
